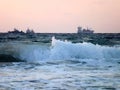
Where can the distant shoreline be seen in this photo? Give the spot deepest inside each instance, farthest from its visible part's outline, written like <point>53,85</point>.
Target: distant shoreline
<point>64,33</point>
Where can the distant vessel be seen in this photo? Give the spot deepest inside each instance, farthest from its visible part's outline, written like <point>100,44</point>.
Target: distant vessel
<point>83,30</point>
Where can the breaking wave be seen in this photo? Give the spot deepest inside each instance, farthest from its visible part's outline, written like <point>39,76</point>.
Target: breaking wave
<point>59,50</point>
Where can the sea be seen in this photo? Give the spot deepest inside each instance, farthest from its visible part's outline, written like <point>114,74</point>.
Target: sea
<point>60,65</point>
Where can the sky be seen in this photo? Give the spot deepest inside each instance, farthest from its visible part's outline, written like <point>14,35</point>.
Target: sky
<point>60,16</point>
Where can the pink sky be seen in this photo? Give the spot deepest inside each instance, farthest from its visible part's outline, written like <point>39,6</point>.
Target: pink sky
<point>60,15</point>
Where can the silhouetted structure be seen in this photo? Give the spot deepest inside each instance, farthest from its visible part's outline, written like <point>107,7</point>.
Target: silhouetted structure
<point>28,31</point>
<point>81,31</point>
<point>16,31</point>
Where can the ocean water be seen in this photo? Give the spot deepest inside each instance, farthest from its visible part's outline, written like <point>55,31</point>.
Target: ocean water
<point>60,65</point>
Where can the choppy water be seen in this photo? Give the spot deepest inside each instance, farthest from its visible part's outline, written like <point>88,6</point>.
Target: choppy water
<point>61,65</point>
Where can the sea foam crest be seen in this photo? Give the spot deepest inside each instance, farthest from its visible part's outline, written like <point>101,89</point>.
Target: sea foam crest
<point>68,50</point>
<point>61,50</point>
<point>64,50</point>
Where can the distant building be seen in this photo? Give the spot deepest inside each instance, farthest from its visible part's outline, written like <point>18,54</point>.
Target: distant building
<point>82,31</point>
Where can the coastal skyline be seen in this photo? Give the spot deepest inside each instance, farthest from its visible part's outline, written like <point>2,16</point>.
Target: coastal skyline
<point>60,16</point>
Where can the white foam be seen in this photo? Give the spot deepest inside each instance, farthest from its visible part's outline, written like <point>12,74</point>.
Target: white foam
<point>64,50</point>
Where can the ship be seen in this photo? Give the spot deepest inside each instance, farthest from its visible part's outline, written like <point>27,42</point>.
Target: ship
<point>81,30</point>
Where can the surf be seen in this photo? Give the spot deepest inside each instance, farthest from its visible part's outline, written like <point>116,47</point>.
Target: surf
<point>59,50</point>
